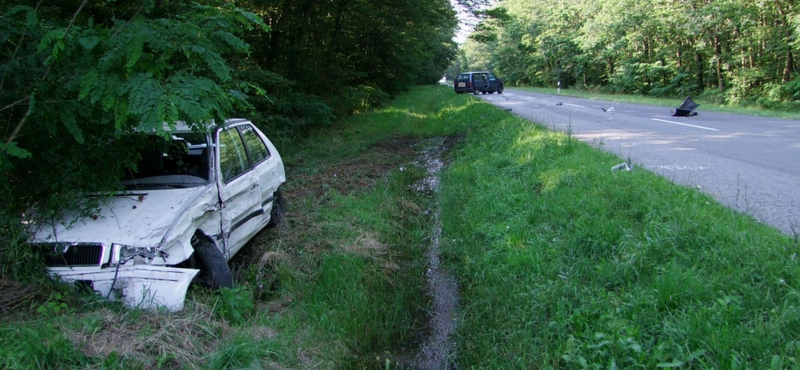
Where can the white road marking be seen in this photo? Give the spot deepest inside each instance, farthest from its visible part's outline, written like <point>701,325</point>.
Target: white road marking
<point>575,105</point>
<point>685,124</point>
<point>678,168</point>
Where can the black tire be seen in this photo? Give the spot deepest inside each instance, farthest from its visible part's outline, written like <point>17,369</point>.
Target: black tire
<point>214,270</point>
<point>474,92</point>
<point>500,89</point>
<point>276,214</point>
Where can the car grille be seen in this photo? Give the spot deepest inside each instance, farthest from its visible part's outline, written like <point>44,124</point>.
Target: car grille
<point>72,254</point>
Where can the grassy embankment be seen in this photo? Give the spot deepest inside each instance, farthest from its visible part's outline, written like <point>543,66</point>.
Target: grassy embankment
<point>338,285</point>
<point>566,264</point>
<point>561,264</point>
<point>705,105</point>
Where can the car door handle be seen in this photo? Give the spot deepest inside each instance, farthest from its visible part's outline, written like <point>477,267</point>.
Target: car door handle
<point>253,186</point>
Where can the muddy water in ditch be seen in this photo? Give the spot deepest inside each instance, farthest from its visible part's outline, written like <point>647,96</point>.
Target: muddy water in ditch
<point>438,349</point>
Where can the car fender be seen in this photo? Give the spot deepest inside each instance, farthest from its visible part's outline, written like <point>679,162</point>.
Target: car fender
<point>200,215</point>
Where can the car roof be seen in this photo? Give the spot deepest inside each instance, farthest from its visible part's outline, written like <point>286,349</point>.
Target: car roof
<point>181,126</point>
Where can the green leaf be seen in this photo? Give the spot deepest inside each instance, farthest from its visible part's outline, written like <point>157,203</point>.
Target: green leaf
<point>88,42</point>
<point>11,149</point>
<point>776,363</point>
<point>17,9</point>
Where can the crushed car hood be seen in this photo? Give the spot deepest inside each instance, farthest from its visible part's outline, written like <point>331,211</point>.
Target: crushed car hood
<point>138,218</point>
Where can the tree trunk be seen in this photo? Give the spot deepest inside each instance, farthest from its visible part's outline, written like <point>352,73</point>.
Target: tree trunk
<point>718,57</point>
<point>698,58</point>
<point>333,50</point>
<point>585,74</point>
<point>788,70</point>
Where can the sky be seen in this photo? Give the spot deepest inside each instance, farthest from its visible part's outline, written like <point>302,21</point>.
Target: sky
<point>466,21</point>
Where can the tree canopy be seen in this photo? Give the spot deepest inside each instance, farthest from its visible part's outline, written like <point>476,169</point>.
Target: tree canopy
<point>729,50</point>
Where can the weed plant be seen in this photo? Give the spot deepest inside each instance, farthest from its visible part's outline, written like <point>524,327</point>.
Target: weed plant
<point>566,264</point>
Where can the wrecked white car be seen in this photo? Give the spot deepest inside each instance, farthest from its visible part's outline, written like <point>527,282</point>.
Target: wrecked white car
<point>192,203</point>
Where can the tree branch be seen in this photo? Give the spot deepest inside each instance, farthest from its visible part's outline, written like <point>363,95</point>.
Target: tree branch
<point>15,103</point>
<point>46,73</point>
<point>135,14</point>
<point>16,48</point>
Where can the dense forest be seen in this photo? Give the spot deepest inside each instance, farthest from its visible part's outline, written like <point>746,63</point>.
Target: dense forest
<point>78,74</point>
<point>730,51</point>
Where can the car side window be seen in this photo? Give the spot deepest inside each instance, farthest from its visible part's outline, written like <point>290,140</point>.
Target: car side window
<point>255,146</point>
<point>232,155</point>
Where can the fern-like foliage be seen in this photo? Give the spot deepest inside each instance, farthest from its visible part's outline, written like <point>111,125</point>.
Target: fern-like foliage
<point>69,87</point>
<point>145,72</point>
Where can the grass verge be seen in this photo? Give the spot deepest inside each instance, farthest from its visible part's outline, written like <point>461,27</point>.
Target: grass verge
<point>339,285</point>
<point>561,264</point>
<point>566,264</point>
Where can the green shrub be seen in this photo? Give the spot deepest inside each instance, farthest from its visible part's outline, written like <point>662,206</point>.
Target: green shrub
<point>279,107</point>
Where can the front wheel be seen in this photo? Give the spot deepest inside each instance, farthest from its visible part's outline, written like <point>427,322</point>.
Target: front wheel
<point>500,89</point>
<point>214,270</point>
<point>276,214</point>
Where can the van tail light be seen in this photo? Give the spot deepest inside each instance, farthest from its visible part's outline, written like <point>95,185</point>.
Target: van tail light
<point>469,84</point>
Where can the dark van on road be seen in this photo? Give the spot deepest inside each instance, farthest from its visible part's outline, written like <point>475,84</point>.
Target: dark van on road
<point>478,82</point>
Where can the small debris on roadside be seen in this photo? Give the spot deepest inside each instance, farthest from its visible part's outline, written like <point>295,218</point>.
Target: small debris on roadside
<point>621,167</point>
<point>624,166</point>
<point>687,109</point>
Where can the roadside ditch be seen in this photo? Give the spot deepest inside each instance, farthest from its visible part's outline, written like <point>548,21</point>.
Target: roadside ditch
<point>438,350</point>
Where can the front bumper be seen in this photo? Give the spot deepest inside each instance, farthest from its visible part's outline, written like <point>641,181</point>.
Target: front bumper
<point>136,286</point>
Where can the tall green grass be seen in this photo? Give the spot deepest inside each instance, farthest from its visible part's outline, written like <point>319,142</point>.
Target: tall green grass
<point>566,264</point>
<point>364,289</point>
<point>561,263</point>
<point>340,285</point>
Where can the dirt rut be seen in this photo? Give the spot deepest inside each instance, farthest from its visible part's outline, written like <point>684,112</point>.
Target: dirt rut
<point>438,349</point>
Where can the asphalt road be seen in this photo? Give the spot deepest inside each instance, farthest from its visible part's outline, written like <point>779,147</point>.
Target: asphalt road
<point>750,164</point>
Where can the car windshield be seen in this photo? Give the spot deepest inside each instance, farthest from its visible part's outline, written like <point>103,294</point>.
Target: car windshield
<point>181,161</point>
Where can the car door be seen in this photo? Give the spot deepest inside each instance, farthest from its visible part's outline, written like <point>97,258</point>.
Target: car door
<point>494,83</point>
<point>267,168</point>
<point>481,83</point>
<point>239,190</point>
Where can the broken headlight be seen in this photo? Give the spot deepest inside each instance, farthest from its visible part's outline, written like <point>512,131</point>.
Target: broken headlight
<point>121,254</point>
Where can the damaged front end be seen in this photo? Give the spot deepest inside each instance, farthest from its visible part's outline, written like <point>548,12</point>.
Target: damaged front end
<point>119,272</point>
